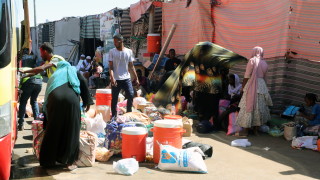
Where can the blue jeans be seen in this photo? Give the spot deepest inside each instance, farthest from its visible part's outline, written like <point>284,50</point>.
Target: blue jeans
<point>126,85</point>
<point>28,90</point>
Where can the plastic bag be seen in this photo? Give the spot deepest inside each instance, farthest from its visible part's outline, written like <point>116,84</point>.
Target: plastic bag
<point>96,124</point>
<point>309,142</point>
<point>127,166</point>
<point>103,154</point>
<point>91,113</point>
<point>138,100</point>
<point>174,159</point>
<point>276,132</point>
<point>240,143</point>
<point>205,148</point>
<point>88,142</point>
<point>105,111</point>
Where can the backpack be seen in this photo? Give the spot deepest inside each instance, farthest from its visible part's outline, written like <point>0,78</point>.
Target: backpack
<point>290,112</point>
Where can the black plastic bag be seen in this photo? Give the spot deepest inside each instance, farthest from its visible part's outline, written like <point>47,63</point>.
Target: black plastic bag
<point>205,148</point>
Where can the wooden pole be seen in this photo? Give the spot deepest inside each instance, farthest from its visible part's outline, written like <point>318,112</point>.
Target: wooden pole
<point>27,41</point>
<point>164,49</point>
<point>151,19</point>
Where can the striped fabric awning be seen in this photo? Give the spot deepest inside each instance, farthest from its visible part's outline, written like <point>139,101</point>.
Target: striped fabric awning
<point>90,26</point>
<point>194,24</point>
<point>241,25</point>
<point>304,31</point>
<point>278,26</point>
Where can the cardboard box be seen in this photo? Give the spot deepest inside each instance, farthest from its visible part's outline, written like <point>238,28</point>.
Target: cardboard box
<point>187,125</point>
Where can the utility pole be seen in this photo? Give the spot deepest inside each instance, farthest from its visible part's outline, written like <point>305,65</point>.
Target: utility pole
<point>35,23</point>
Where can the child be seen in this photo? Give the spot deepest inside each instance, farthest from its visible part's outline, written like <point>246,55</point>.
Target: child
<point>313,118</point>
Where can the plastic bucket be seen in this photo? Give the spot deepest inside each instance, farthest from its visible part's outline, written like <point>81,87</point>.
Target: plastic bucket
<point>103,97</point>
<point>173,117</point>
<point>153,43</point>
<point>134,142</point>
<point>166,132</point>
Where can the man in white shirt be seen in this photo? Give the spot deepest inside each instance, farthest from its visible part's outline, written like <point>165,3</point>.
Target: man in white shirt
<point>120,62</point>
<point>82,57</point>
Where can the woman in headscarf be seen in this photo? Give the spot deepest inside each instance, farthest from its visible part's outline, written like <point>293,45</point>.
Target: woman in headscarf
<point>254,110</point>
<point>62,116</point>
<point>234,86</point>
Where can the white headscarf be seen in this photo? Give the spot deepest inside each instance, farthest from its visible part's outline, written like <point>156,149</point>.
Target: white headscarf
<point>235,90</point>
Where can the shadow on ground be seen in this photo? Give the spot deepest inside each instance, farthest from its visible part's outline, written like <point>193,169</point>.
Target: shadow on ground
<point>304,162</point>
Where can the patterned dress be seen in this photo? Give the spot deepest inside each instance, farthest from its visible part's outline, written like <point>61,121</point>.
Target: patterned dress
<point>254,110</point>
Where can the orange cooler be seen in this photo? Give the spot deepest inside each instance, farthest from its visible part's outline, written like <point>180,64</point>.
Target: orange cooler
<point>134,143</point>
<point>103,97</point>
<point>166,132</point>
<point>154,43</point>
<point>173,117</point>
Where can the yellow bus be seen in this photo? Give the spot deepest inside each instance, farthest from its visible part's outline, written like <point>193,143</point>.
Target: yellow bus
<point>11,15</point>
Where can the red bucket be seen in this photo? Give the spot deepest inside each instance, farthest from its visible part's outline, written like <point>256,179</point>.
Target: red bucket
<point>134,143</point>
<point>103,97</point>
<point>166,132</point>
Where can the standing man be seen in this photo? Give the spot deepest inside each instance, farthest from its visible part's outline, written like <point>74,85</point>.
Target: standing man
<point>120,62</point>
<point>51,61</point>
<point>30,86</point>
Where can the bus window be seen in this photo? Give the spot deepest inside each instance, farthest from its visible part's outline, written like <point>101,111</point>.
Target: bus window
<point>5,39</point>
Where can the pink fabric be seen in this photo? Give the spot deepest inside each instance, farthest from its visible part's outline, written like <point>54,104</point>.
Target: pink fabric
<point>223,104</point>
<point>256,68</point>
<point>233,127</point>
<point>139,8</point>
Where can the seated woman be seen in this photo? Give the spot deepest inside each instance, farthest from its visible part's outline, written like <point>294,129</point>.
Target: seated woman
<point>234,88</point>
<point>234,93</point>
<point>312,119</point>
